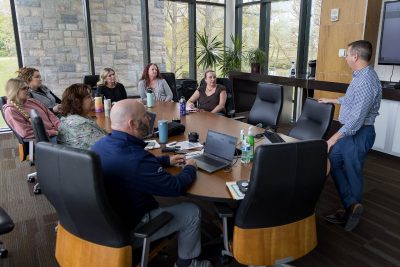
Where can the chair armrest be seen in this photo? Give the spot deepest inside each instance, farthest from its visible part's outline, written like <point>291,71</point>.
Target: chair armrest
<point>6,224</point>
<point>153,225</point>
<point>223,211</point>
<point>239,118</point>
<point>27,140</point>
<point>231,113</point>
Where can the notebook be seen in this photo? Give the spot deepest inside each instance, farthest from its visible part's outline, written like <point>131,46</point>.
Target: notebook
<point>152,117</point>
<point>219,151</point>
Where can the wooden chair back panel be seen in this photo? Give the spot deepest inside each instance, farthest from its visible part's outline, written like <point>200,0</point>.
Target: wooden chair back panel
<point>274,245</point>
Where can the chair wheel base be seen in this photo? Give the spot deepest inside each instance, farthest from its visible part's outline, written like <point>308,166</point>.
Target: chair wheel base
<point>3,253</point>
<point>225,259</point>
<point>37,190</point>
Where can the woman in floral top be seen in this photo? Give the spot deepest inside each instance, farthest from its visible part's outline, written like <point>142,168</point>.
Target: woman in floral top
<point>76,128</point>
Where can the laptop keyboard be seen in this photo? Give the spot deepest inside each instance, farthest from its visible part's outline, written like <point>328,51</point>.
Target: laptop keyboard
<point>273,137</point>
<point>210,161</point>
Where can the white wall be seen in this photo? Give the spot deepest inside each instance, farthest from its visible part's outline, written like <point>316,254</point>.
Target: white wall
<point>229,22</point>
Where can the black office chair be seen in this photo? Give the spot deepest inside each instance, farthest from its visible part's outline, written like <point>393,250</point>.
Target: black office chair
<point>40,135</point>
<point>6,226</point>
<point>275,222</point>
<point>91,80</point>
<point>230,102</point>
<point>89,233</point>
<point>267,106</point>
<point>314,122</point>
<point>186,87</point>
<point>25,145</point>
<point>169,77</point>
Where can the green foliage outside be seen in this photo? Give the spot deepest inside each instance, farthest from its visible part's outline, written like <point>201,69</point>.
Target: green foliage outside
<point>7,43</point>
<point>8,66</point>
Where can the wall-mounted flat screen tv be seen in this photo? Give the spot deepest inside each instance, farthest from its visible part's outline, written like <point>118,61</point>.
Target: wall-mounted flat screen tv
<point>389,50</point>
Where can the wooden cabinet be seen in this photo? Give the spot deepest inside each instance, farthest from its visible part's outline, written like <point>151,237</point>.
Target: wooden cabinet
<point>358,19</point>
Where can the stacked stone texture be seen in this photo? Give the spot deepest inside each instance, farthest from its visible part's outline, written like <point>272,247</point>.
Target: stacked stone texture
<point>54,39</point>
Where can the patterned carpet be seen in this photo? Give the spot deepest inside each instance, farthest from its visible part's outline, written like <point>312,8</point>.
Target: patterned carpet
<point>375,242</point>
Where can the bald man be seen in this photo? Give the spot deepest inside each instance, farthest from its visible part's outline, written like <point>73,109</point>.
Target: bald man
<point>133,176</point>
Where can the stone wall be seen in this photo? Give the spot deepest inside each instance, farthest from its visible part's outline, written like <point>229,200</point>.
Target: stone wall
<point>53,39</point>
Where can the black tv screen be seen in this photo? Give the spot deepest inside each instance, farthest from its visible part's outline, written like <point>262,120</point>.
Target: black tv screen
<point>389,50</point>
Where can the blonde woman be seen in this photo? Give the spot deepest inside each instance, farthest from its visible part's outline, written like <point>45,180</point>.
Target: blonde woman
<point>18,107</point>
<point>37,90</point>
<point>109,87</point>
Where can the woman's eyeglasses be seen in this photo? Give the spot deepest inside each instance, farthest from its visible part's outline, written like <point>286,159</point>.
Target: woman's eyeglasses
<point>25,88</point>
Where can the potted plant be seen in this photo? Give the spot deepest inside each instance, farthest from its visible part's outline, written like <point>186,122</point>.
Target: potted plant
<point>208,51</point>
<point>232,58</point>
<point>257,59</point>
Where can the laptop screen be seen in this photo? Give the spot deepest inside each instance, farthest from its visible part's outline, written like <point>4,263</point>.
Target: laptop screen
<point>220,145</point>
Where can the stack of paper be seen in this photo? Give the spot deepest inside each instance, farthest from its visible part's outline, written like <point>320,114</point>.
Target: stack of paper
<point>234,190</point>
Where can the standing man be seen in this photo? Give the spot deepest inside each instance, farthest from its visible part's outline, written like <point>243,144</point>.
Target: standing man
<point>133,175</point>
<point>349,146</point>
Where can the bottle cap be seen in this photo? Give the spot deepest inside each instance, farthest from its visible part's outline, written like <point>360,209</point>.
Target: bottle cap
<point>250,131</point>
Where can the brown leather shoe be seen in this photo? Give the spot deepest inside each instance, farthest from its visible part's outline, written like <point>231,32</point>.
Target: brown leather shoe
<point>339,217</point>
<point>353,217</point>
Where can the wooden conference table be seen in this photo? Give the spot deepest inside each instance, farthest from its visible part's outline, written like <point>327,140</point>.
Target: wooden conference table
<point>208,186</point>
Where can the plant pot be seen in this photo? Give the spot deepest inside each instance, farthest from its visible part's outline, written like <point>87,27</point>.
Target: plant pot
<point>255,67</point>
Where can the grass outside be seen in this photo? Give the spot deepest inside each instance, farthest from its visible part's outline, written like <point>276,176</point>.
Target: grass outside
<point>8,66</point>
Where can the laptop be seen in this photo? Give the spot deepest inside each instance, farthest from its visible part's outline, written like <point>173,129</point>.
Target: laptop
<point>152,117</point>
<point>219,151</point>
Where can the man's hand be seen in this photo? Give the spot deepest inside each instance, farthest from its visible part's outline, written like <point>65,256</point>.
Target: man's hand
<point>191,162</point>
<point>177,159</point>
<point>328,100</point>
<point>333,140</point>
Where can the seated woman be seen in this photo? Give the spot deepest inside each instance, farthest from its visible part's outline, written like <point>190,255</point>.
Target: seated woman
<point>152,80</point>
<point>211,97</point>
<point>109,87</point>
<point>77,129</point>
<point>18,108</point>
<point>37,90</point>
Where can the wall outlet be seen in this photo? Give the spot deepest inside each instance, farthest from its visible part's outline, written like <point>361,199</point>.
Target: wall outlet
<point>334,14</point>
<point>342,52</point>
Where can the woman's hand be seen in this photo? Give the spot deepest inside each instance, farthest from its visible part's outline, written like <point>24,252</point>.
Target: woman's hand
<point>56,108</point>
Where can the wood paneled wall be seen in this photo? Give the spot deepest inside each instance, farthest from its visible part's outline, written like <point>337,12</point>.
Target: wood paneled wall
<point>358,19</point>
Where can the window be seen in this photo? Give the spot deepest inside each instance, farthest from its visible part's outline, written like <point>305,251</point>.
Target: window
<point>169,37</point>
<point>117,40</point>
<point>211,19</point>
<point>250,30</point>
<point>314,29</point>
<point>284,30</point>
<point>8,55</point>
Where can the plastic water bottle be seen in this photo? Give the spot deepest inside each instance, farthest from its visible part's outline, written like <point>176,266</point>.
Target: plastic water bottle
<point>245,152</point>
<point>182,106</point>
<point>250,141</point>
<point>241,138</point>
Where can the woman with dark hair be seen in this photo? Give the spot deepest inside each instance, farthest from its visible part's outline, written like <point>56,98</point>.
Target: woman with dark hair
<point>76,128</point>
<point>210,97</point>
<point>151,80</point>
<point>37,90</point>
<point>109,86</point>
<point>19,106</point>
